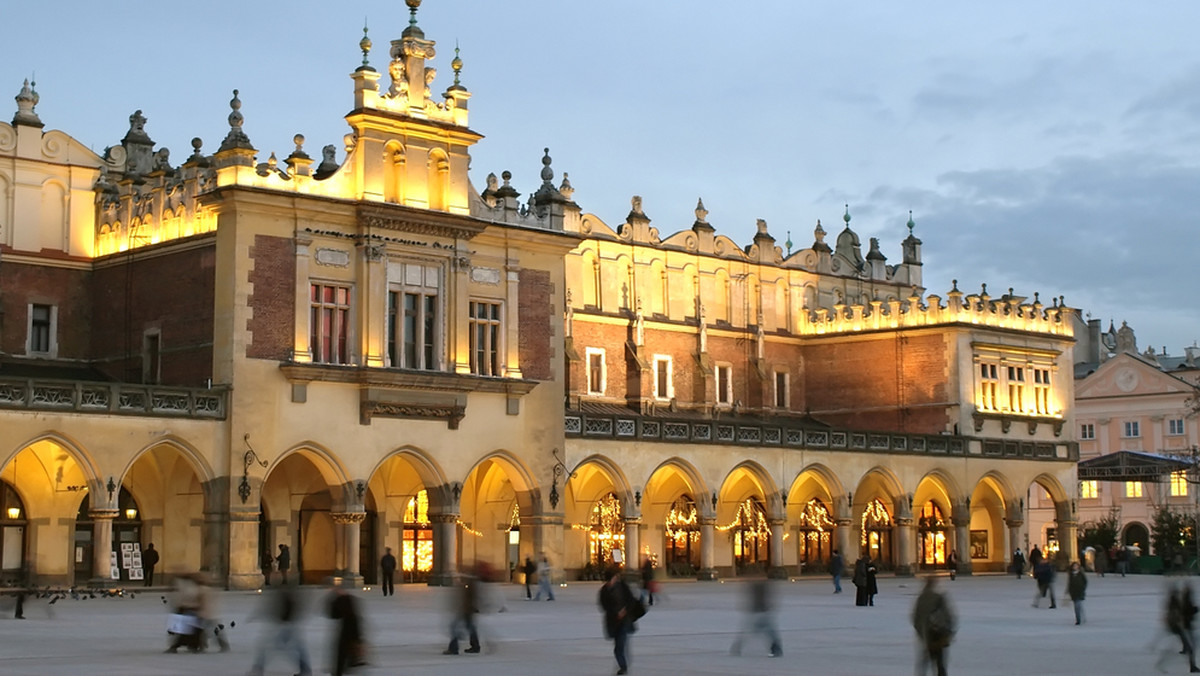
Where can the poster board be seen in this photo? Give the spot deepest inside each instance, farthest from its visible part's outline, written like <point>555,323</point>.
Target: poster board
<point>114,571</point>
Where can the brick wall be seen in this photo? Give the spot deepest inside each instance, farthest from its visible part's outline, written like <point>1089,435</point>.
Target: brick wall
<point>172,293</point>
<point>21,284</point>
<point>535,310</point>
<point>879,383</point>
<point>272,298</point>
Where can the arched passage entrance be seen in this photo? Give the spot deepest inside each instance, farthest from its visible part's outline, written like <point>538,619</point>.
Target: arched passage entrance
<point>671,519</point>
<point>811,516</point>
<point>875,517</point>
<point>597,510</point>
<point>300,496</point>
<point>752,524</point>
<point>987,547</point>
<point>168,486</point>
<point>496,494</point>
<point>407,504</point>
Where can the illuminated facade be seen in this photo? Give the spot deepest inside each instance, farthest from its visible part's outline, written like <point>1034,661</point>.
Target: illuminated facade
<point>343,355</point>
<point>1130,400</point>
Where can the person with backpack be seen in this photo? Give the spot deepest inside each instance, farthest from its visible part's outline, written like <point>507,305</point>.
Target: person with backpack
<point>934,622</point>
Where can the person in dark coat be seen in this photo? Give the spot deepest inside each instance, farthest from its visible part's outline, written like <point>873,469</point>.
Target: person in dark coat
<point>529,569</point>
<point>284,562</point>
<point>1076,590</point>
<point>934,621</point>
<point>648,580</point>
<point>268,566</point>
<point>1181,614</point>
<point>617,602</point>
<point>1035,557</point>
<point>466,608</point>
<point>1018,563</point>
<point>837,566</point>
<point>387,566</point>
<point>343,608</point>
<point>1043,572</point>
<point>149,561</point>
<point>864,581</point>
<point>952,563</point>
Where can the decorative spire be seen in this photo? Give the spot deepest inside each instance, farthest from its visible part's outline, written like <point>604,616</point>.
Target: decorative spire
<point>788,243</point>
<point>365,45</point>
<point>456,64</point>
<point>566,188</point>
<point>910,223</point>
<point>413,30</point>
<point>27,99</point>
<point>846,217</point>
<point>954,286</point>
<point>236,138</point>
<point>701,212</point>
<point>547,172</point>
<point>819,239</point>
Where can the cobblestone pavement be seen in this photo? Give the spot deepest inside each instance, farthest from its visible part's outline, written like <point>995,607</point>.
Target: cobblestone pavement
<point>689,631</point>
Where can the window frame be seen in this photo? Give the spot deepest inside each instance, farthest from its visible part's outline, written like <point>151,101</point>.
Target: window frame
<point>490,350</point>
<point>429,334</point>
<point>783,394</point>
<point>1134,489</point>
<point>1175,427</point>
<point>35,328</point>
<point>669,386</point>
<point>1089,489</point>
<point>1087,431</point>
<point>1131,429</point>
<point>601,353</point>
<point>1178,484</point>
<point>723,380</point>
<point>345,312</point>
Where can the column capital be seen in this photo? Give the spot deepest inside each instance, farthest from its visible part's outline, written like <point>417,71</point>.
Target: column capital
<point>961,521</point>
<point>706,520</point>
<point>345,518</point>
<point>843,523</point>
<point>443,518</point>
<point>904,521</point>
<point>632,520</point>
<point>776,522</point>
<point>1014,523</point>
<point>102,514</point>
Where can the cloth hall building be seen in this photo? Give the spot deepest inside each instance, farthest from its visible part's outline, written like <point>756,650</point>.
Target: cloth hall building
<point>230,354</point>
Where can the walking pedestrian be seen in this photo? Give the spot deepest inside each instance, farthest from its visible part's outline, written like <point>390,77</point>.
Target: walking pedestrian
<point>284,562</point>
<point>952,563</point>
<point>529,569</point>
<point>466,607</point>
<point>1043,572</point>
<point>348,644</point>
<point>282,609</point>
<point>934,621</point>
<point>268,565</point>
<point>620,608</point>
<point>544,575</point>
<point>648,581</point>
<point>149,561</point>
<point>387,566</point>
<point>1035,557</point>
<point>1180,617</point>
<point>1077,589</point>
<point>1122,560</point>
<point>836,567</point>
<point>760,618</point>
<point>1018,563</point>
<point>864,581</point>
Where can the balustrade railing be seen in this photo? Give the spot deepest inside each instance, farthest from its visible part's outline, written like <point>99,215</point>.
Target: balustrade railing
<point>70,396</point>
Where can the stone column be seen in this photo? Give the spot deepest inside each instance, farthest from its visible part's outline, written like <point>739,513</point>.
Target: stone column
<point>961,540</point>
<point>349,543</point>
<point>445,549</point>
<point>1068,548</point>
<point>776,570</point>
<point>708,532</point>
<point>904,547</point>
<point>245,551</point>
<point>633,559</point>
<point>1013,538</point>
<point>841,538</point>
<point>102,546</point>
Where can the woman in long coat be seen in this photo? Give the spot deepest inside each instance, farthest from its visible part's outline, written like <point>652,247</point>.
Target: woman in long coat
<point>861,596</point>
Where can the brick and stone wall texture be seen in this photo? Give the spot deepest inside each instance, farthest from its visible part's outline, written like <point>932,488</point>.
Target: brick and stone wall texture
<point>892,383</point>
<point>172,293</point>
<point>535,312</point>
<point>68,290</point>
<point>272,298</point>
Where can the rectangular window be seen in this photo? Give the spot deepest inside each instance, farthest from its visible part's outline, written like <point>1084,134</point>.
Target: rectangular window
<point>989,385</point>
<point>41,323</point>
<point>1132,429</point>
<point>596,372</point>
<point>329,323</point>
<point>1175,427</point>
<point>1041,391</point>
<point>781,389</point>
<point>1179,485</point>
<point>724,384</point>
<point>1089,490</point>
<point>151,358</point>
<point>1016,389</point>
<point>1133,489</point>
<point>414,323</point>
<point>663,389</point>
<point>484,330</point>
<point>1087,431</point>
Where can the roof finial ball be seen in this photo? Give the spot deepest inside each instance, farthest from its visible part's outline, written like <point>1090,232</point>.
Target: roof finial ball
<point>413,5</point>
<point>365,45</point>
<point>846,217</point>
<point>456,64</point>
<point>911,224</point>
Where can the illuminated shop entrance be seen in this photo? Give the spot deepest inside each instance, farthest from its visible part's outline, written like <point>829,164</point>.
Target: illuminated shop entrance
<point>751,538</point>
<point>606,530</point>
<point>12,536</point>
<point>416,548</point>
<point>682,546</point>
<point>877,532</point>
<point>815,528</point>
<point>932,535</point>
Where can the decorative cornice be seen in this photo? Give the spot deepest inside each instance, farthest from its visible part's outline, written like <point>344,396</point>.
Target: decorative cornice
<point>451,413</point>
<point>404,379</point>
<point>417,221</point>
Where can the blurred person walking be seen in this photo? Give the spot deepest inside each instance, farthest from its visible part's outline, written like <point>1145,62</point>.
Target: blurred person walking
<point>1018,563</point>
<point>529,569</point>
<point>281,608</point>
<point>621,610</point>
<point>466,607</point>
<point>284,562</point>
<point>1179,620</point>
<point>1077,590</point>
<point>935,624</point>
<point>544,574</point>
<point>760,618</point>
<point>348,646</point>
<point>1043,572</point>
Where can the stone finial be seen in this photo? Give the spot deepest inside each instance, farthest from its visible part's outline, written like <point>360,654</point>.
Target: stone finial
<point>457,65</point>
<point>566,188</point>
<point>874,254</point>
<point>788,243</point>
<point>701,212</point>
<point>846,216</point>
<point>636,205</point>
<point>197,143</point>
<point>954,286</point>
<point>413,6</point>
<point>761,224</point>
<point>911,224</point>
<point>507,190</point>
<point>983,289</point>
<point>27,99</point>
<point>819,239</point>
<point>547,172</point>
<point>236,138</point>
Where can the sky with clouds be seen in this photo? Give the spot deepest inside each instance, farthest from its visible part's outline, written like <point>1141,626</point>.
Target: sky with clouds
<point>1051,147</point>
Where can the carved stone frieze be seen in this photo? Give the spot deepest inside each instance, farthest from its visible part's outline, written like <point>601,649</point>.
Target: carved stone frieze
<point>416,221</point>
<point>452,414</point>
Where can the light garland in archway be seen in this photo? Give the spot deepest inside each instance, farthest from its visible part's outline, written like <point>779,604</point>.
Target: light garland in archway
<point>874,515</point>
<point>468,529</point>
<point>749,518</point>
<point>815,516</point>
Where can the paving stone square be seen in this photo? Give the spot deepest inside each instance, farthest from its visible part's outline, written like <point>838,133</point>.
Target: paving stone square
<point>688,631</point>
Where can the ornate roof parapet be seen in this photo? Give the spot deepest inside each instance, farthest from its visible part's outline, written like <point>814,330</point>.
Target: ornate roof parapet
<point>915,312</point>
<point>236,149</point>
<point>764,250</point>
<point>27,99</point>
<point>547,208</point>
<point>139,149</point>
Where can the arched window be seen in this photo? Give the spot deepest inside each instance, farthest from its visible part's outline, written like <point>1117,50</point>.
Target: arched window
<point>877,532</point>
<point>815,528</point>
<point>416,548</point>
<point>607,529</point>
<point>751,537</point>
<point>13,523</point>
<point>931,532</point>
<point>682,546</point>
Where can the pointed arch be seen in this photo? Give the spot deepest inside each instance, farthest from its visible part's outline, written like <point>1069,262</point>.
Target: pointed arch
<point>78,453</point>
<point>325,462</point>
<point>189,452</point>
